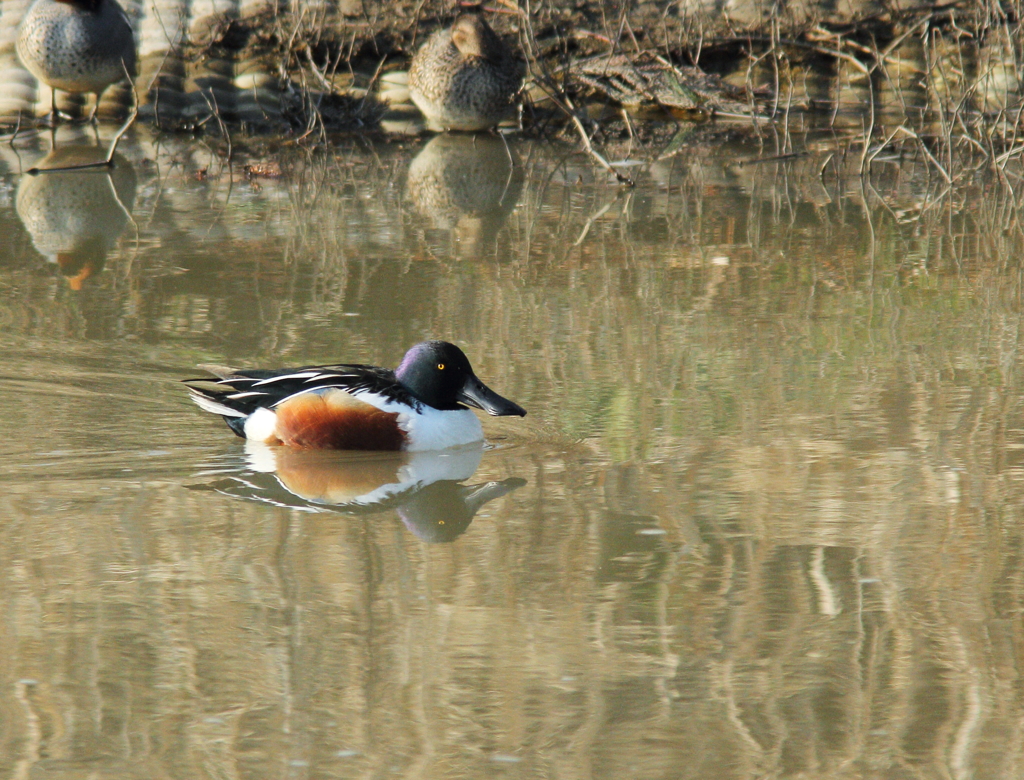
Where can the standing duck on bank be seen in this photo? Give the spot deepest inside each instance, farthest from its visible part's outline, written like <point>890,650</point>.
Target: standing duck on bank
<point>464,77</point>
<point>77,46</point>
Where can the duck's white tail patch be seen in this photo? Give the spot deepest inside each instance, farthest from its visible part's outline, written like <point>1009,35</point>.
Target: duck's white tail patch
<point>209,405</point>
<point>261,425</point>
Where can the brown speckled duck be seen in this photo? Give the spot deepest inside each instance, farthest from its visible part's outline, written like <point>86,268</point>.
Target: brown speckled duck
<point>77,45</point>
<point>464,77</point>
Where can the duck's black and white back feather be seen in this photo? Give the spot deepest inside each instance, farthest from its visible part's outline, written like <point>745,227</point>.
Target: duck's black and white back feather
<point>241,393</point>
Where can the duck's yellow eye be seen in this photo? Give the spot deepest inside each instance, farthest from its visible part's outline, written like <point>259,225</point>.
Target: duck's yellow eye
<point>440,366</point>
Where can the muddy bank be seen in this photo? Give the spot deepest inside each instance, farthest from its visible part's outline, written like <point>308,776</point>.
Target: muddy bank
<point>284,67</point>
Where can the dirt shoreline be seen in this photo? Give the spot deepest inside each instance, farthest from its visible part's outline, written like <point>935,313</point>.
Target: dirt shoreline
<point>942,79</point>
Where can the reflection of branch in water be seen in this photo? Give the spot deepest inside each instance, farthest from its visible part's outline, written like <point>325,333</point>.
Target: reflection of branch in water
<point>963,741</point>
<point>733,709</point>
<point>593,218</point>
<point>828,602</point>
<point>716,276</point>
<point>33,739</point>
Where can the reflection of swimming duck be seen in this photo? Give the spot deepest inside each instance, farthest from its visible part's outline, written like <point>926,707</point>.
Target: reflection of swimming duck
<point>418,406</point>
<point>76,217</point>
<point>77,45</point>
<point>464,77</point>
<point>423,488</point>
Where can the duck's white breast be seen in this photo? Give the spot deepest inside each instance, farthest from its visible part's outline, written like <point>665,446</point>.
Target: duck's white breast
<point>430,429</point>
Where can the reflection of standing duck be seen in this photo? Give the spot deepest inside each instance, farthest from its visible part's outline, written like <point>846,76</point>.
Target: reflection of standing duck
<point>464,77</point>
<point>76,217</point>
<point>423,488</point>
<point>77,45</point>
<point>468,184</point>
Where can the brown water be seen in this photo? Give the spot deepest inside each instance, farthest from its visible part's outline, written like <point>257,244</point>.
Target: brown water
<point>764,518</point>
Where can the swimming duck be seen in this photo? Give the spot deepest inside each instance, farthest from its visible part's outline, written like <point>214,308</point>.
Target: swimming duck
<point>464,77</point>
<point>416,407</point>
<point>77,45</point>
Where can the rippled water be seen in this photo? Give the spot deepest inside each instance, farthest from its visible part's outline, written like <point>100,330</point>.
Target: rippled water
<point>763,519</point>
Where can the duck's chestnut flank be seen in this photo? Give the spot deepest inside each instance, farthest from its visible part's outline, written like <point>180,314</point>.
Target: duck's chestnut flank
<point>335,420</point>
<point>421,405</point>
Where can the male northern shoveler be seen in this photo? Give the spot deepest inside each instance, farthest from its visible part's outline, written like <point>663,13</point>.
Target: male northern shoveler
<point>464,77</point>
<point>77,45</point>
<point>416,407</point>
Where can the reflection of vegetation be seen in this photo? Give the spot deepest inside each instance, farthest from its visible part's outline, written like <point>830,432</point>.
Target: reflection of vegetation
<point>584,411</point>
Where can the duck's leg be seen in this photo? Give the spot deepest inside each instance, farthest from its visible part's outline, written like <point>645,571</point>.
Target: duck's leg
<point>54,115</point>
<point>95,110</point>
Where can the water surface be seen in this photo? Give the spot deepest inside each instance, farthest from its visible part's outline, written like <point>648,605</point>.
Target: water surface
<point>763,518</point>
